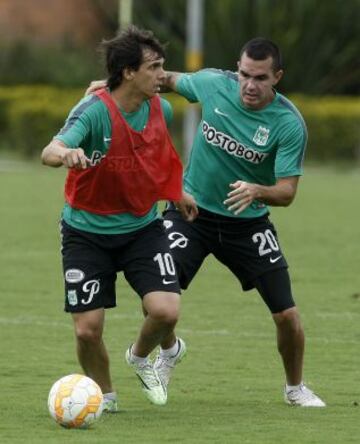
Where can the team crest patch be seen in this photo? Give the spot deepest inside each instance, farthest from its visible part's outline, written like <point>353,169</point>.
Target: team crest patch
<point>72,297</point>
<point>261,136</point>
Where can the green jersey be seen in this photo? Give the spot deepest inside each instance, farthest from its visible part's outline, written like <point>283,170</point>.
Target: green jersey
<point>235,143</point>
<point>89,127</point>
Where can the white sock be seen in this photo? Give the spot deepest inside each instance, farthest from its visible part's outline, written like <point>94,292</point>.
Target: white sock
<point>111,396</point>
<point>172,351</point>
<point>290,388</point>
<point>138,360</point>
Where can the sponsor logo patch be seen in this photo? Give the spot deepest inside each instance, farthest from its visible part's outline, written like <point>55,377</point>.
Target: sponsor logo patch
<point>73,276</point>
<point>232,146</point>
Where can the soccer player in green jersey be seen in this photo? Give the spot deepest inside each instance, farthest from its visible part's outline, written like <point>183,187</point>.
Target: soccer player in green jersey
<point>120,162</point>
<point>247,154</point>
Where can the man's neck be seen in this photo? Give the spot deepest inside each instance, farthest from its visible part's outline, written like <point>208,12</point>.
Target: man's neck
<point>127,100</point>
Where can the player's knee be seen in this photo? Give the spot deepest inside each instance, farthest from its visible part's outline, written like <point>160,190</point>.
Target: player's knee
<point>165,315</point>
<point>166,312</point>
<point>88,334</point>
<point>163,308</point>
<point>288,319</point>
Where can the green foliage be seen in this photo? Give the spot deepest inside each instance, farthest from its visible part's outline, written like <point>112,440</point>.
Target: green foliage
<point>319,41</point>
<point>228,390</point>
<point>25,63</point>
<point>31,116</point>
<point>333,126</point>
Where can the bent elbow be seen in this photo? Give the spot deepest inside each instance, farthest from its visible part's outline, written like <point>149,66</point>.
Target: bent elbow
<point>288,200</point>
<point>44,156</point>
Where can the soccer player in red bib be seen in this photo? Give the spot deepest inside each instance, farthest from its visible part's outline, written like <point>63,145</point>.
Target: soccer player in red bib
<point>121,162</point>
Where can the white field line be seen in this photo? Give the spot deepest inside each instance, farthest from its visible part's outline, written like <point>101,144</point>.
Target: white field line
<point>323,339</point>
<point>32,320</point>
<point>37,320</point>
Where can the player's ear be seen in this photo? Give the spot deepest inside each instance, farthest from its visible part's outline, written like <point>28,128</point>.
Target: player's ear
<point>278,75</point>
<point>129,74</point>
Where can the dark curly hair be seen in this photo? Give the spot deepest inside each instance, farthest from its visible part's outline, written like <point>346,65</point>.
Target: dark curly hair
<point>126,51</point>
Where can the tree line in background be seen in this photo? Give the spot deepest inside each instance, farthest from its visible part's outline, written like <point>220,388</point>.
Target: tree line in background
<point>319,40</point>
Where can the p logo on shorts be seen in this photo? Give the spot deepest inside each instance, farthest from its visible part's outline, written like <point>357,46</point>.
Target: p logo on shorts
<point>178,240</point>
<point>92,287</point>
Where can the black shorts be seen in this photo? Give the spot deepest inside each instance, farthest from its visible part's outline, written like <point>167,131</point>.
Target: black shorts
<point>248,247</point>
<point>91,262</point>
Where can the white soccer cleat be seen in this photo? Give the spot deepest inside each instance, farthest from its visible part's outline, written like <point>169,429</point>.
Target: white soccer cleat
<point>149,379</point>
<point>110,405</point>
<point>165,365</point>
<point>303,397</point>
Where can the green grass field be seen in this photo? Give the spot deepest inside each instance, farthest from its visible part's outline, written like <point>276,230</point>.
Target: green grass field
<point>229,388</point>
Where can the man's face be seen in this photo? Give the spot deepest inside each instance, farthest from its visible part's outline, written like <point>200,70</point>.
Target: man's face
<point>257,79</point>
<point>151,75</point>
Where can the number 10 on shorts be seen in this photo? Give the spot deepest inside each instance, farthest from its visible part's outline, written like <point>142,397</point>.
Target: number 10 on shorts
<point>166,264</point>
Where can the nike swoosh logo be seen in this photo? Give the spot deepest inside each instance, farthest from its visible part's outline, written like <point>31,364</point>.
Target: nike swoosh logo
<point>107,139</point>
<point>217,111</point>
<point>165,282</point>
<point>275,259</point>
<point>143,383</point>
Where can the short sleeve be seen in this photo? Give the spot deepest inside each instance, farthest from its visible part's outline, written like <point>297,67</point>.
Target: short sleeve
<point>195,87</point>
<point>291,150</point>
<point>78,124</point>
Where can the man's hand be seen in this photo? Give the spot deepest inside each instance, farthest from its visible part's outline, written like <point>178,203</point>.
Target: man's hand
<point>281,194</point>
<point>75,158</point>
<point>187,207</point>
<point>94,86</point>
<point>170,81</point>
<point>57,154</point>
<point>241,196</point>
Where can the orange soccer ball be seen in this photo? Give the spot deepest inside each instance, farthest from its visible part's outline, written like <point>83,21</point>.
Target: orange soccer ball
<point>75,401</point>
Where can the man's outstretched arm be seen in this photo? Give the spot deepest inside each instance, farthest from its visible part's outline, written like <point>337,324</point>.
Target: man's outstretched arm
<point>171,78</point>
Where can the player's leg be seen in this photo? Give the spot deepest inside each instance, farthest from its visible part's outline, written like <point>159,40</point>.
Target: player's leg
<point>275,288</point>
<point>172,351</point>
<point>250,249</point>
<point>89,288</point>
<point>188,247</point>
<point>150,270</point>
<point>91,350</point>
<point>92,354</point>
<point>252,252</point>
<point>162,310</point>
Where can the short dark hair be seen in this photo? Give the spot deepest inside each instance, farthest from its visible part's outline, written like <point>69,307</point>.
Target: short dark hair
<point>126,51</point>
<point>260,49</point>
